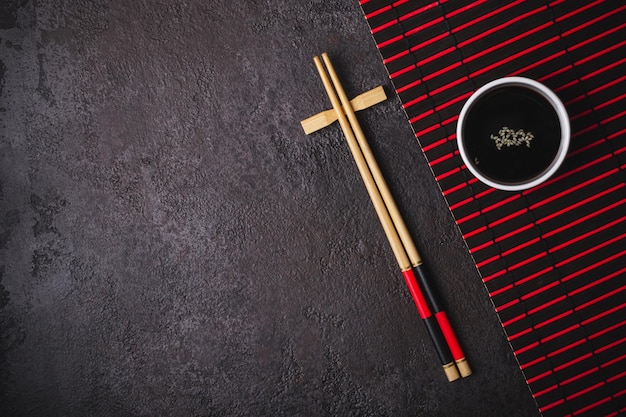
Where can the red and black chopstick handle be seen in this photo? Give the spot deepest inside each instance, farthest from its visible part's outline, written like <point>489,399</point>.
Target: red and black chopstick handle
<point>441,317</point>
<point>432,325</point>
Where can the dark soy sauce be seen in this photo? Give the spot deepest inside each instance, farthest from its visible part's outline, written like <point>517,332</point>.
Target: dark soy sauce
<point>521,156</point>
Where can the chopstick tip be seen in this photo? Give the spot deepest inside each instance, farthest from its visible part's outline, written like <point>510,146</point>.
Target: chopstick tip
<point>464,367</point>
<point>451,371</point>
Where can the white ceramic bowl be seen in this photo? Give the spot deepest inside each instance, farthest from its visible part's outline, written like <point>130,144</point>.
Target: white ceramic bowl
<point>563,121</point>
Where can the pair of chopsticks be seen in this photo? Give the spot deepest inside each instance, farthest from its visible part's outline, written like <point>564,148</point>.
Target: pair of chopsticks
<point>431,310</point>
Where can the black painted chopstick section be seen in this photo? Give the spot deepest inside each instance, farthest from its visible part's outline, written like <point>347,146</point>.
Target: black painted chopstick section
<point>442,318</point>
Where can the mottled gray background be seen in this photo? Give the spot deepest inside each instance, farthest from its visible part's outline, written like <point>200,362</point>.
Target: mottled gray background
<point>172,244</point>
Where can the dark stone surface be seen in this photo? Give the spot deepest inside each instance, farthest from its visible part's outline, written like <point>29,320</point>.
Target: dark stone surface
<point>171,243</point>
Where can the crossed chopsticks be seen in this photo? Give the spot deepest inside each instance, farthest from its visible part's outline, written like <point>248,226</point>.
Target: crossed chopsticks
<point>428,304</point>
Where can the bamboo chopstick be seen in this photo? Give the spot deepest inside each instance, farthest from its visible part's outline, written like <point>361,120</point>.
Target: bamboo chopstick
<point>353,131</point>
<point>403,232</point>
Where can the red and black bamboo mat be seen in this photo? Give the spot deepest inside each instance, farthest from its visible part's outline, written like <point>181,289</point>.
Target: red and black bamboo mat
<point>553,258</point>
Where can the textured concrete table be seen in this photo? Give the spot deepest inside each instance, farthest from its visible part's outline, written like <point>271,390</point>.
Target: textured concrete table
<point>173,244</point>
